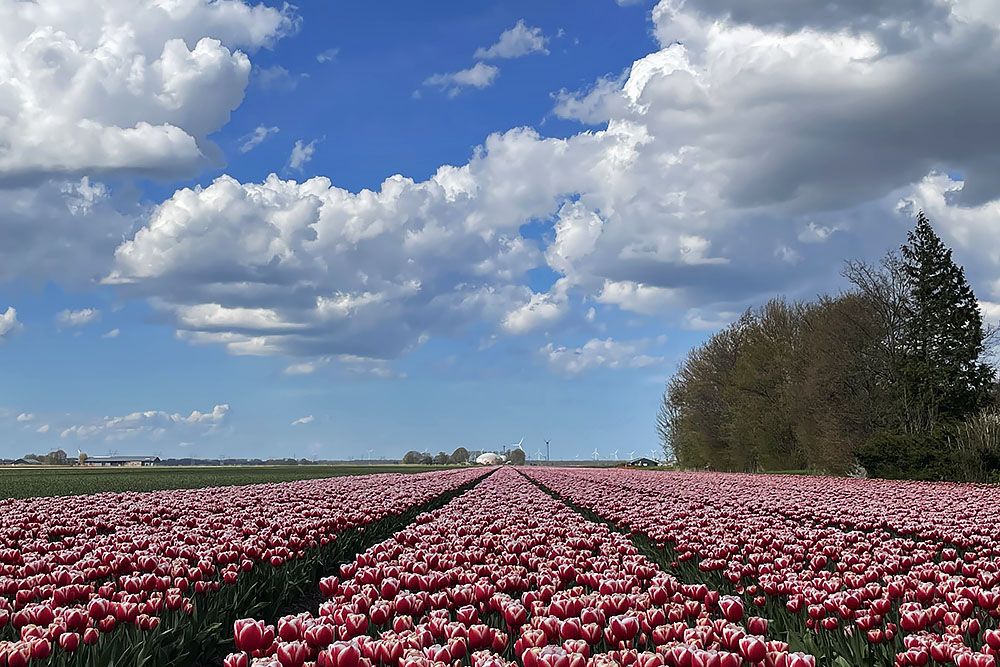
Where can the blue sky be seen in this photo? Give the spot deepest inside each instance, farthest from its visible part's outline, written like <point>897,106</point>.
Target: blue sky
<point>586,195</point>
<point>360,108</point>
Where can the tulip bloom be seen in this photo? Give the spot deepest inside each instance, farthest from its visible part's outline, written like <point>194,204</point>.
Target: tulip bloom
<point>732,609</point>
<point>69,641</point>
<point>250,635</point>
<point>236,660</point>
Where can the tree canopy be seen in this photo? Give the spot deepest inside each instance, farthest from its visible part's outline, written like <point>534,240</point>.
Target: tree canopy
<point>891,374</point>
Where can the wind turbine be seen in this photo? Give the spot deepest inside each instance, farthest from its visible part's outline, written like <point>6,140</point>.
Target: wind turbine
<point>614,455</point>
<point>631,455</point>
<point>538,455</point>
<point>596,454</point>
<point>547,457</point>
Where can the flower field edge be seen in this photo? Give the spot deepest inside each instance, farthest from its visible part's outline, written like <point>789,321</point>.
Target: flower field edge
<point>942,612</point>
<point>784,624</point>
<point>200,638</point>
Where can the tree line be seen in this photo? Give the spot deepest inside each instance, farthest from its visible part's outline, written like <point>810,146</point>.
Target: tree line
<point>890,377</point>
<point>56,457</point>
<point>459,456</point>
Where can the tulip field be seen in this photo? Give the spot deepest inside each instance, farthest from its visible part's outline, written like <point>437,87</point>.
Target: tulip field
<point>158,578</point>
<point>507,567</point>
<point>851,572</point>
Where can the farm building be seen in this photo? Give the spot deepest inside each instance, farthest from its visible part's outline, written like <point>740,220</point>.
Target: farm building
<point>490,459</point>
<point>642,462</point>
<point>121,461</point>
<point>27,462</point>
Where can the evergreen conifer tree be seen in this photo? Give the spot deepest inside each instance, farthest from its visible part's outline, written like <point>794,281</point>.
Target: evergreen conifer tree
<point>944,376</point>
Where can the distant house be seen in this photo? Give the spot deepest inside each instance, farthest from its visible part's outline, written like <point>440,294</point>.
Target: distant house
<point>121,461</point>
<point>490,459</point>
<point>642,462</point>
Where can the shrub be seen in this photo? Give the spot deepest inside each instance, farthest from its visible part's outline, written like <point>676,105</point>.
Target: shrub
<point>925,456</point>
<point>977,446</point>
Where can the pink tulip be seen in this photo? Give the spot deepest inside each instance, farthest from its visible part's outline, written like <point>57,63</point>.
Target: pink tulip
<point>69,641</point>
<point>249,635</point>
<point>236,660</point>
<point>753,649</point>
<point>293,654</point>
<point>732,609</point>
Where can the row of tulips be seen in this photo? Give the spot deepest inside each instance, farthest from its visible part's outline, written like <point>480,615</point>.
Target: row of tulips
<point>876,581</point>
<point>961,516</point>
<point>503,575</point>
<point>157,578</point>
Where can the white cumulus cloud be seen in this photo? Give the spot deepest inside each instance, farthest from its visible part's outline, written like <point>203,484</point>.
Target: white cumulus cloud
<point>77,318</point>
<point>539,311</point>
<point>637,297</point>
<point>302,368</point>
<point>327,55</point>
<point>521,40</point>
<point>8,323</point>
<point>597,353</point>
<point>110,89</point>
<point>302,153</point>
<point>152,423</point>
<point>311,269</point>
<point>112,86</point>
<point>748,154</point>
<point>479,75</point>
<point>250,141</point>
<point>308,419</point>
